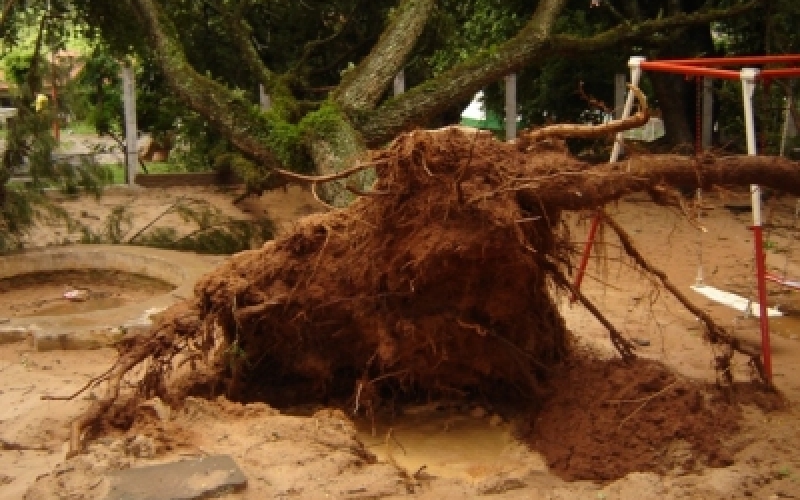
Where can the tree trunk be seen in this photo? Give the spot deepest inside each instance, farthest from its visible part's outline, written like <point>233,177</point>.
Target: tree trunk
<point>334,153</point>
<point>675,98</point>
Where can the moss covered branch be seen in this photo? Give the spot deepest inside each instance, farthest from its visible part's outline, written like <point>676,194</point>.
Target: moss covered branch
<point>363,86</point>
<point>262,137</point>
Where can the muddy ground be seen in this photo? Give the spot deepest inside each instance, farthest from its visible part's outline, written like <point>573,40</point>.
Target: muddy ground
<point>608,431</point>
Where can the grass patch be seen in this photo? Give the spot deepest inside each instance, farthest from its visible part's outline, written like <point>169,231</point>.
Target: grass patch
<point>156,167</point>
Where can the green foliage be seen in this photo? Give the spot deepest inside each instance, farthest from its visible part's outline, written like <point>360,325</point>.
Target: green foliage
<point>321,123</point>
<point>233,237</point>
<point>17,64</point>
<point>215,233</point>
<point>463,27</point>
<point>98,94</point>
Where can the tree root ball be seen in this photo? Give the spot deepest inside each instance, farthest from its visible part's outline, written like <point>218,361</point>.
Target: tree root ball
<point>438,282</point>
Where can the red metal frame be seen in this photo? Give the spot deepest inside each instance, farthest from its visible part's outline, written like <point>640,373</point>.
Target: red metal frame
<point>733,61</point>
<point>587,251</point>
<point>711,67</point>
<point>766,351</point>
<point>685,68</point>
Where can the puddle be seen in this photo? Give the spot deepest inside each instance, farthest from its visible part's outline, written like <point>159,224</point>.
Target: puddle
<point>43,294</point>
<point>456,446</point>
<point>788,325</point>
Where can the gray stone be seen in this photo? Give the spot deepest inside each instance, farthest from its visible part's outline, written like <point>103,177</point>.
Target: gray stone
<point>185,480</point>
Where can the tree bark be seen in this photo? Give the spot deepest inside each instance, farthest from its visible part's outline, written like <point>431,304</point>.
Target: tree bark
<point>674,94</point>
<point>364,85</point>
<point>336,152</point>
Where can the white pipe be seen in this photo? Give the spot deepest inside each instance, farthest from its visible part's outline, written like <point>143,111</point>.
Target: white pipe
<point>399,84</point>
<point>264,100</point>
<point>131,132</point>
<point>748,77</point>
<point>635,64</point>
<point>511,107</point>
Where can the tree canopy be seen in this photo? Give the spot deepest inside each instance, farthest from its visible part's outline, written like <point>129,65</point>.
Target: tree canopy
<point>328,66</point>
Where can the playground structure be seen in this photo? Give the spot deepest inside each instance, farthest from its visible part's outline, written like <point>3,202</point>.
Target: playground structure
<point>749,75</point>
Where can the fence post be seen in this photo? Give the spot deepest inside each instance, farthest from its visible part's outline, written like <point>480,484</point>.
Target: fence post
<point>131,132</point>
<point>620,90</point>
<point>511,107</point>
<point>263,98</point>
<point>400,82</point>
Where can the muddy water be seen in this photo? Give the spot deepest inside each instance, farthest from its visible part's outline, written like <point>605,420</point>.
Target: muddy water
<point>43,294</point>
<point>447,444</point>
<point>788,302</point>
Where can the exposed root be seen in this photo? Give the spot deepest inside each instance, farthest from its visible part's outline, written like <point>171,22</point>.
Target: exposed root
<point>623,346</point>
<point>571,131</point>
<point>714,333</point>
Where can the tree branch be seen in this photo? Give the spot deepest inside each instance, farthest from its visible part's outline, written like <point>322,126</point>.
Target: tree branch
<point>534,43</point>
<point>7,7</point>
<point>239,32</point>
<point>364,85</point>
<point>235,118</point>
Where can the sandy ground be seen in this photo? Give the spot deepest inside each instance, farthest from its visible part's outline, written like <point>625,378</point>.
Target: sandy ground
<point>456,450</point>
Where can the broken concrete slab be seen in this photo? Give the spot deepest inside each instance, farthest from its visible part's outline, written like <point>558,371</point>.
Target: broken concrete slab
<point>184,480</point>
<point>78,340</point>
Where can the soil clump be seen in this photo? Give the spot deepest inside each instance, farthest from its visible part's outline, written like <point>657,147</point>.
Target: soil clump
<point>607,418</point>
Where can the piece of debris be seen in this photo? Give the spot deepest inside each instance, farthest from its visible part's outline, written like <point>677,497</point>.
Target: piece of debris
<point>77,294</point>
<point>186,480</point>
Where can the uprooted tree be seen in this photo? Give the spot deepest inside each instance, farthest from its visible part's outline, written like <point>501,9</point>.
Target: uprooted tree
<point>441,280</point>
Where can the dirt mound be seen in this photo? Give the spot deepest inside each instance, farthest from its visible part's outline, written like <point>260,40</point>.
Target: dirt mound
<point>606,419</point>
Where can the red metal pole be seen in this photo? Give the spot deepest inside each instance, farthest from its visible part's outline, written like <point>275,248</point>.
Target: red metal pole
<point>587,251</point>
<point>766,353</point>
<point>682,69</point>
<point>779,73</point>
<point>737,61</point>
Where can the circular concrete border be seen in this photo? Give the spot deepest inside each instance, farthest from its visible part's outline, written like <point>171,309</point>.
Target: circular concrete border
<point>98,328</point>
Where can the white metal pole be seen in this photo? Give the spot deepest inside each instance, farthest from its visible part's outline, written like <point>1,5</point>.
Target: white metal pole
<point>129,104</point>
<point>748,77</point>
<point>620,90</point>
<point>634,63</point>
<point>264,101</point>
<point>511,107</point>
<point>399,82</point>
